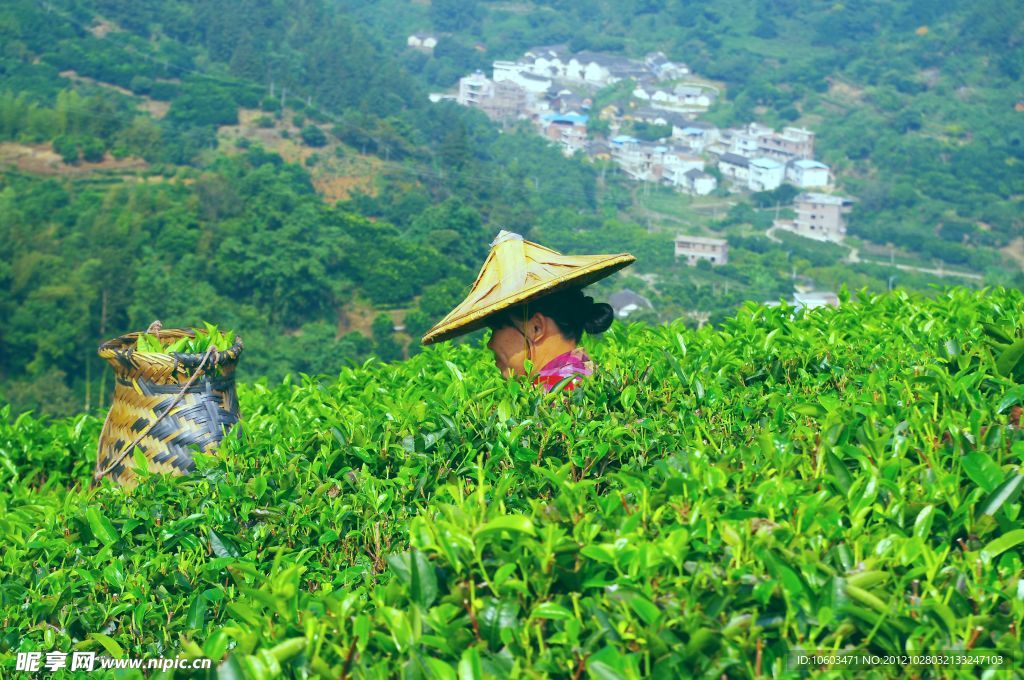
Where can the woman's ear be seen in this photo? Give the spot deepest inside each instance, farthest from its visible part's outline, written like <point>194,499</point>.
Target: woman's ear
<point>538,327</point>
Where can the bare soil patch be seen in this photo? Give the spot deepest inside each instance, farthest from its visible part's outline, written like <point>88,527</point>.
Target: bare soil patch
<point>42,159</point>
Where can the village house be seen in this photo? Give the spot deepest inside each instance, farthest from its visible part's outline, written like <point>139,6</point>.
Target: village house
<point>625,302</point>
<point>696,248</point>
<point>663,69</point>
<point>734,166</point>
<point>790,143</point>
<point>747,141</point>
<point>765,174</point>
<point>533,83</point>
<point>423,42</point>
<point>675,163</point>
<point>598,150</point>
<point>692,97</point>
<point>546,60</point>
<point>498,100</point>
<point>568,130</point>
<point>474,88</point>
<point>807,174</point>
<point>652,116</point>
<point>678,98</point>
<point>566,101</point>
<point>809,300</point>
<point>819,216</point>
<point>760,140</point>
<point>594,68</point>
<point>508,101</point>
<point>698,182</point>
<point>696,134</point>
<point>630,155</point>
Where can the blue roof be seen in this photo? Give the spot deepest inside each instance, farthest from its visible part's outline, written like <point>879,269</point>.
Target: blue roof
<point>566,118</point>
<point>623,139</point>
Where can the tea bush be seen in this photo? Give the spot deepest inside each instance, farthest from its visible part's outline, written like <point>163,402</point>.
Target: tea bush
<point>708,503</point>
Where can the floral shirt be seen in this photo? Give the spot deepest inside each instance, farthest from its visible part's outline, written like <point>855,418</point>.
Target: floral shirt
<point>576,363</point>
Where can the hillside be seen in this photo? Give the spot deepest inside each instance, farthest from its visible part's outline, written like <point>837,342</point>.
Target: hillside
<point>711,502</point>
<point>916,105</point>
<point>157,161</point>
<point>140,179</point>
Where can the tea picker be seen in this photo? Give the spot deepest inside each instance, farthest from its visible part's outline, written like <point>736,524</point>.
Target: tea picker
<point>532,299</point>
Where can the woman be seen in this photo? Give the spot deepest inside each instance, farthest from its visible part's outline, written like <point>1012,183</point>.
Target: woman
<point>547,332</point>
<point>531,297</point>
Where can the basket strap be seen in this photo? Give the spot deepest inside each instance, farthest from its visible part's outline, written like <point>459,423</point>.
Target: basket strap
<point>211,351</point>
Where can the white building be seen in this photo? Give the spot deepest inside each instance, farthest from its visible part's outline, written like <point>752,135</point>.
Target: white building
<point>809,300</point>
<point>421,41</point>
<point>699,182</point>
<point>474,89</point>
<point>765,174</point>
<point>664,69</point>
<point>734,166</point>
<point>520,74</point>
<point>807,174</point>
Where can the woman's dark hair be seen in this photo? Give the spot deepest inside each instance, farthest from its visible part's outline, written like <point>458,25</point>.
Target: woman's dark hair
<point>570,309</point>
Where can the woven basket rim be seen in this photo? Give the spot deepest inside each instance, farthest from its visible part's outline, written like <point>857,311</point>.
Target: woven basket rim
<point>123,347</point>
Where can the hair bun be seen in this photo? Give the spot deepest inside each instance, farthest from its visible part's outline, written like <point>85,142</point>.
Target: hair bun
<point>597,316</point>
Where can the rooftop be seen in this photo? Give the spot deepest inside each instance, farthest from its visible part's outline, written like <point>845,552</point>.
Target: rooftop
<point>701,239</point>
<point>734,159</point>
<point>825,199</point>
<point>571,118</point>
<point>625,297</point>
<point>808,164</point>
<point>765,164</point>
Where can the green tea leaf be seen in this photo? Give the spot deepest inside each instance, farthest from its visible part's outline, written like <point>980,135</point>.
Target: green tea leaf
<point>1007,492</point>
<point>109,644</point>
<point>101,527</point>
<point>470,667</point>
<point>1000,545</point>
<point>982,470</point>
<point>416,572</point>
<point>511,523</point>
<point>550,610</point>
<point>223,546</point>
<point>1008,359</point>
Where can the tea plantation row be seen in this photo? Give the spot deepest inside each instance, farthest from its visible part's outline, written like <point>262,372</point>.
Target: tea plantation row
<point>712,502</point>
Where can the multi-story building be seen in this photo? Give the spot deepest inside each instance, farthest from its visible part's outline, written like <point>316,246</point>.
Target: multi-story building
<point>765,174</point>
<point>508,101</point>
<point>819,216</point>
<point>569,130</point>
<point>475,88</point>
<point>696,248</point>
<point>734,167</point>
<point>807,174</point>
<point>790,143</point>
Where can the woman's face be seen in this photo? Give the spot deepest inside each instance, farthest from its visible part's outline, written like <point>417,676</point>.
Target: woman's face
<point>510,349</point>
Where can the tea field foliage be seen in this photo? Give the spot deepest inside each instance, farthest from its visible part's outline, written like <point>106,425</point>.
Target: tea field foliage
<point>709,502</point>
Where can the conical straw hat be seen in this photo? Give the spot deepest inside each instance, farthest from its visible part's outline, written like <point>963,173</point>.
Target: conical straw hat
<point>516,271</point>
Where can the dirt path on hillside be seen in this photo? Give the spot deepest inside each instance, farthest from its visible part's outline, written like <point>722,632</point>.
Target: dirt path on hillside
<point>43,160</point>
<point>153,107</point>
<point>1015,251</point>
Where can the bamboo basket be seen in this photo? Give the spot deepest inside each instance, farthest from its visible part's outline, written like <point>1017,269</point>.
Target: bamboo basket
<point>164,404</point>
